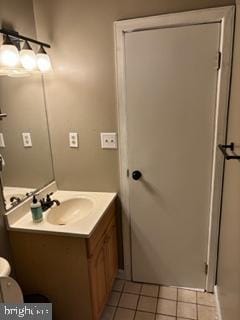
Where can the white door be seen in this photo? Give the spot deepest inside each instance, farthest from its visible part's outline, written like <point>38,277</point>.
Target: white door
<point>171,89</point>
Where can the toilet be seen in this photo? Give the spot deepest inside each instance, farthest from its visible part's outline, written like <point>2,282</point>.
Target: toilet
<point>10,292</point>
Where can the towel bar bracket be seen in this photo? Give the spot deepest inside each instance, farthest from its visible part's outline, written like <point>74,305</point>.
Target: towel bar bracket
<point>224,147</point>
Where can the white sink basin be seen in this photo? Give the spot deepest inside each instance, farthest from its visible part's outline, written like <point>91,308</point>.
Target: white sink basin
<point>70,211</point>
<point>5,268</point>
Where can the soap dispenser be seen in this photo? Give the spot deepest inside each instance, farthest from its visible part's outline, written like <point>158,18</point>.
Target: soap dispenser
<point>36,208</point>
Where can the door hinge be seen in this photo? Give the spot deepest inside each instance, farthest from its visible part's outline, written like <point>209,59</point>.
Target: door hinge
<point>206,268</point>
<point>127,172</point>
<point>219,60</point>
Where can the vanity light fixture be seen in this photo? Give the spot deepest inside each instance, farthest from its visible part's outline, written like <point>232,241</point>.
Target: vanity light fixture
<point>15,62</point>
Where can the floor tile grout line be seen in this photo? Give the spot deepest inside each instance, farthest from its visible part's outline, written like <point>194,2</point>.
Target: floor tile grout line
<point>137,305</point>
<point>205,305</point>
<point>164,285</point>
<point>171,316</point>
<point>141,288</point>
<point>114,314</point>
<point>119,299</point>
<point>120,294</point>
<point>148,296</point>
<point>157,302</point>
<point>197,312</point>
<point>177,304</point>
<point>118,306</point>
<point>159,286</point>
<point>145,296</point>
<point>154,300</point>
<point>197,306</point>
<point>158,297</point>
<point>124,309</point>
<point>187,318</point>
<point>136,310</point>
<point>185,301</point>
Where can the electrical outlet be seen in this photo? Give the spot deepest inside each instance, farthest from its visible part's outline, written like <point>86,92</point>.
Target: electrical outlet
<point>108,140</point>
<point>2,142</point>
<point>27,140</point>
<point>73,140</point>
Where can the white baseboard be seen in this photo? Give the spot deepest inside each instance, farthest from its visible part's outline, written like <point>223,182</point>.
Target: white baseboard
<point>218,305</point>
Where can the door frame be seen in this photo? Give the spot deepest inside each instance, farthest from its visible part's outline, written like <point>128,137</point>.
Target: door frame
<point>225,16</point>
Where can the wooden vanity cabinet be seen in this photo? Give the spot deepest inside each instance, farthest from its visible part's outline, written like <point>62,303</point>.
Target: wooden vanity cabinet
<point>75,273</point>
<point>110,251</point>
<point>97,273</point>
<point>103,262</point>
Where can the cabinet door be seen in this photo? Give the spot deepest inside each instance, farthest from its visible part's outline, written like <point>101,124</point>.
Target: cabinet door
<point>111,258</point>
<point>99,288</point>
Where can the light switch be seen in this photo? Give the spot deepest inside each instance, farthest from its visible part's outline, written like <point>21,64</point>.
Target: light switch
<point>2,142</point>
<point>108,140</point>
<point>73,139</point>
<point>27,140</point>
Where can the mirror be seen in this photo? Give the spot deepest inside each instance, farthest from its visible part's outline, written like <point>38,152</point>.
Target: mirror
<point>25,151</point>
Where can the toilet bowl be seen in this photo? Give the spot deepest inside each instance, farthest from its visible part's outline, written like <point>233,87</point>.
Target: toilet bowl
<point>10,292</point>
<point>5,268</point>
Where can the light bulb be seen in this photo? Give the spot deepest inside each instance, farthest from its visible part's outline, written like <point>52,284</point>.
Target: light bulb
<point>43,61</point>
<point>9,56</point>
<point>28,57</point>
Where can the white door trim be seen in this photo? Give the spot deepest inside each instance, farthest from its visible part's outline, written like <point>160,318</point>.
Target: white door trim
<point>225,16</point>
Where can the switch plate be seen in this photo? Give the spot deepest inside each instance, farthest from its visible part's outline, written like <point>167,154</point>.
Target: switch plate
<point>73,140</point>
<point>2,142</point>
<point>27,140</point>
<point>108,140</point>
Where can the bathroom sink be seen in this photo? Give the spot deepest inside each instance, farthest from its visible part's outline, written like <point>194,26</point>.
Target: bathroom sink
<point>70,210</point>
<point>5,268</point>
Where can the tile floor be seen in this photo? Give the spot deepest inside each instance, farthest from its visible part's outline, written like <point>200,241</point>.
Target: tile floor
<point>136,301</point>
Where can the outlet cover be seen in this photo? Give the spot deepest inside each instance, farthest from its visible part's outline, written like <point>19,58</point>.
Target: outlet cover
<point>27,140</point>
<point>108,140</point>
<point>73,140</point>
<point>2,142</point>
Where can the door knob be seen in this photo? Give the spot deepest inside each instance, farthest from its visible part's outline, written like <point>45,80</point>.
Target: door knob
<point>136,175</point>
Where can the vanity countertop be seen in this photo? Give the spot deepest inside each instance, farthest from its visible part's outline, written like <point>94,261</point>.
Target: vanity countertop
<point>72,204</point>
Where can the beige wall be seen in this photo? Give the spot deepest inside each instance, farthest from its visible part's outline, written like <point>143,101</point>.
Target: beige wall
<point>229,253</point>
<point>21,18</point>
<point>18,15</point>
<point>81,92</point>
<point>81,97</point>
